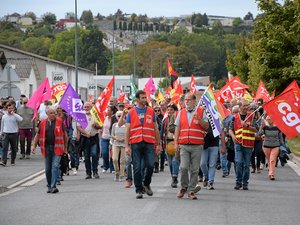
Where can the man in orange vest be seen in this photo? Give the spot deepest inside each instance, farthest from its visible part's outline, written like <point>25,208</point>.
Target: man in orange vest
<point>191,123</point>
<point>53,140</point>
<point>242,131</point>
<point>141,135</point>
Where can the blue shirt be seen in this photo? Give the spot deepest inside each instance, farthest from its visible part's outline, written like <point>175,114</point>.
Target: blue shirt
<point>141,114</point>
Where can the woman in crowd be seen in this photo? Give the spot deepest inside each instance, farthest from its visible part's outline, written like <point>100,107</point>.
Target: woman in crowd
<point>272,140</point>
<point>167,136</point>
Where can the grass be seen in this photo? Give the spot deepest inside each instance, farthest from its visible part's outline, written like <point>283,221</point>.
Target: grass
<point>294,145</point>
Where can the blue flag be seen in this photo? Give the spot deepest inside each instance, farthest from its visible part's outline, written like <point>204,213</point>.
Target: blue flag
<point>71,102</point>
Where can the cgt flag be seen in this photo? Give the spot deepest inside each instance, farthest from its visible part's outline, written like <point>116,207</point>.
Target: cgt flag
<point>99,109</point>
<point>193,88</point>
<point>284,111</point>
<point>71,102</point>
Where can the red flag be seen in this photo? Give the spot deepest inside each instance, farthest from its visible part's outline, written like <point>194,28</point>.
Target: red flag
<point>122,96</point>
<point>284,111</point>
<point>170,69</point>
<point>99,109</point>
<point>262,92</point>
<point>224,94</point>
<point>294,86</point>
<point>150,86</point>
<point>193,88</point>
<point>41,94</point>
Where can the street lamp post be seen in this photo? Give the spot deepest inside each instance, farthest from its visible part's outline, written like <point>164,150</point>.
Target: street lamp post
<point>76,50</point>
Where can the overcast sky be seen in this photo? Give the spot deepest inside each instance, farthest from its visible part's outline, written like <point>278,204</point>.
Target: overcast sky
<point>153,8</point>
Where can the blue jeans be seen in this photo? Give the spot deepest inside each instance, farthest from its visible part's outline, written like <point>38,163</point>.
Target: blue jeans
<point>142,152</point>
<point>52,163</point>
<point>74,155</point>
<point>242,161</point>
<point>174,165</point>
<point>208,163</point>
<point>90,150</point>
<point>107,161</point>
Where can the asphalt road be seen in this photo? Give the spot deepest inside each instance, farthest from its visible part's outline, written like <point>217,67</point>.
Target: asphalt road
<point>105,201</point>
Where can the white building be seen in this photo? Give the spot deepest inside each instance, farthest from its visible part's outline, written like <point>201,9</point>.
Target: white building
<point>25,71</point>
<point>225,21</point>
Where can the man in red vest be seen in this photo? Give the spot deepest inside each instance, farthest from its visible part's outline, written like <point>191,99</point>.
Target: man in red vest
<point>242,130</point>
<point>141,135</point>
<point>53,140</point>
<point>191,123</point>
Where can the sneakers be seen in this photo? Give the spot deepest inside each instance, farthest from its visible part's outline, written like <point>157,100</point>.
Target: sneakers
<point>128,183</point>
<point>252,170</point>
<point>261,167</point>
<point>181,193</point>
<point>139,195</point>
<point>96,175</point>
<point>205,182</point>
<point>174,182</point>
<point>237,186</point>
<point>104,171</point>
<point>210,187</point>
<point>197,188</point>
<point>74,171</point>
<point>22,156</point>
<point>121,179</point>
<point>2,163</point>
<point>192,196</point>
<point>88,176</point>
<point>225,175</point>
<point>27,156</point>
<point>49,190</point>
<point>12,162</point>
<point>148,190</point>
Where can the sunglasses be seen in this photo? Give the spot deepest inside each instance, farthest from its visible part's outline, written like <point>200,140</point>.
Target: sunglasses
<point>156,110</point>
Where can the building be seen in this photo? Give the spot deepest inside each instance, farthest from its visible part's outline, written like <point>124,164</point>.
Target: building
<point>185,24</point>
<point>225,21</point>
<point>23,72</point>
<point>13,18</point>
<point>25,21</point>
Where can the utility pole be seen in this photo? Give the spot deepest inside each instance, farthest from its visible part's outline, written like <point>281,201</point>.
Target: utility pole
<point>76,50</point>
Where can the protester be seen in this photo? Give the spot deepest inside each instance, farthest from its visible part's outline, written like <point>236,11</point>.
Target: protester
<point>167,136</point>
<point>90,141</point>
<point>9,130</point>
<point>118,148</point>
<point>141,135</point>
<point>272,140</point>
<point>242,131</point>
<point>191,124</point>
<point>53,139</point>
<point>25,128</point>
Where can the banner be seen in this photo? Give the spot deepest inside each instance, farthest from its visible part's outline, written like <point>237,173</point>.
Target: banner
<point>41,94</point>
<point>133,90</point>
<point>72,104</point>
<point>99,109</point>
<point>58,90</point>
<point>284,111</point>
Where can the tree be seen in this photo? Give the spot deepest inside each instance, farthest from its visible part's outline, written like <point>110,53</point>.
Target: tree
<point>31,15</point>
<point>249,16</point>
<point>49,18</point>
<point>177,35</point>
<point>217,28</point>
<point>120,25</point>
<point>124,25</point>
<point>37,45</point>
<point>100,17</point>
<point>87,17</point>
<point>236,23</point>
<point>205,20</point>
<point>274,51</point>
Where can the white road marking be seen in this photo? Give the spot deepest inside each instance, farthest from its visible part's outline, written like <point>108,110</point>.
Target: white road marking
<point>18,183</point>
<point>11,191</point>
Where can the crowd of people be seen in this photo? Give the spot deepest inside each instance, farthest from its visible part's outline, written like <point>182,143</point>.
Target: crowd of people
<point>138,139</point>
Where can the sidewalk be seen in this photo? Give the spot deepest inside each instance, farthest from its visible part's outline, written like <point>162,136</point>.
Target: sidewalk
<point>9,175</point>
<point>295,159</point>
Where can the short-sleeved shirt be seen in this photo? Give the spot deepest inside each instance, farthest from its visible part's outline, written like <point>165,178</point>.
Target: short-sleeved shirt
<point>141,114</point>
